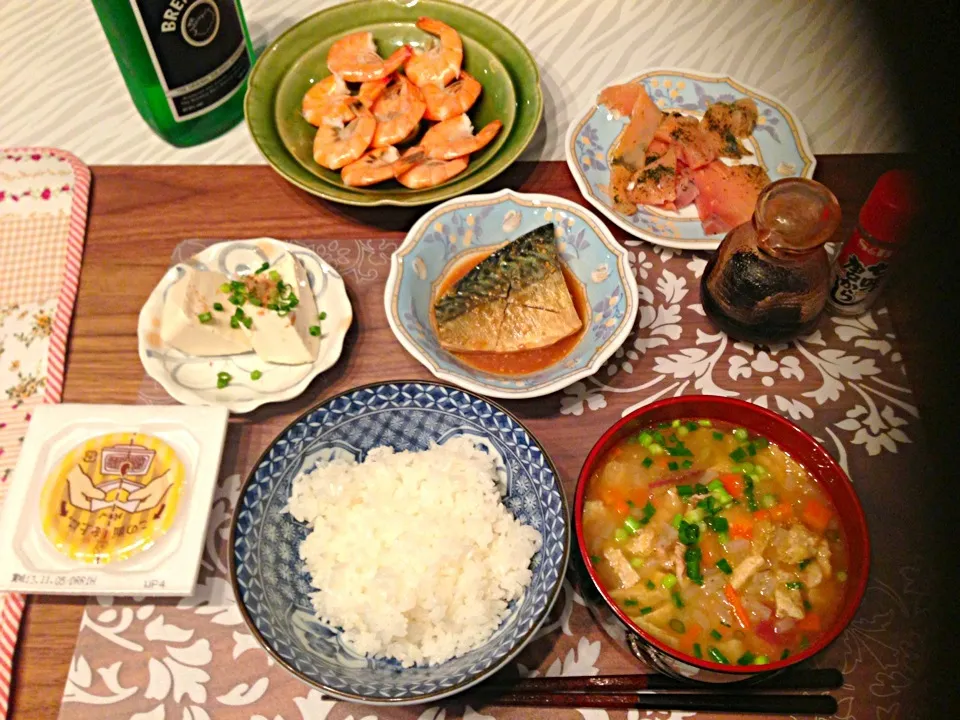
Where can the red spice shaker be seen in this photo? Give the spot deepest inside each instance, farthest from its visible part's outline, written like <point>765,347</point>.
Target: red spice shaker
<point>861,266</point>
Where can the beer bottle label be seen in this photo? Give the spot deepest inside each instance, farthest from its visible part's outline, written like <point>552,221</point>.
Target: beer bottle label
<point>198,51</point>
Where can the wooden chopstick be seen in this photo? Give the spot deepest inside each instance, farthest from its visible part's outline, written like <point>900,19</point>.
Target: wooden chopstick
<point>699,702</point>
<point>802,679</point>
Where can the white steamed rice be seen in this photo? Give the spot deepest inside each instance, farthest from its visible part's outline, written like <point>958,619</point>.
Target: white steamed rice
<point>415,555</point>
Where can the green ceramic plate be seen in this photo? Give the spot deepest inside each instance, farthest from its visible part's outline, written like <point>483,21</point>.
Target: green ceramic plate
<point>297,59</point>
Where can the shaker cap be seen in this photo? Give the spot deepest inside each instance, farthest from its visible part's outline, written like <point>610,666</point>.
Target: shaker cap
<point>891,207</point>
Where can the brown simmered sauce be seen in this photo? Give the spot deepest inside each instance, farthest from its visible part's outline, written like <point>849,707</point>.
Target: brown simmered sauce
<point>523,362</point>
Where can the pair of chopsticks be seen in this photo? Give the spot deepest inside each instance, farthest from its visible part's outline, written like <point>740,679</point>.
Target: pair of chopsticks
<point>662,692</point>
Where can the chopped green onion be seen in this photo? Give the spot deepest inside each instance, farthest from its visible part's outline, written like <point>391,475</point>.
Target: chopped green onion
<point>686,464</point>
<point>655,449</point>
<point>668,581</point>
<point>322,315</point>
<point>715,634</point>
<point>256,302</point>
<point>718,524</point>
<point>315,330</point>
<point>247,321</point>
<point>677,626</point>
<point>724,566</point>
<point>704,423</point>
<point>256,375</point>
<point>694,515</point>
<point>595,559</point>
<point>761,442</point>
<point>234,322</point>
<point>682,431</point>
<point>658,438</point>
<point>768,501</point>
<point>223,379</point>
<point>785,654</point>
<point>677,600</point>
<point>632,524</point>
<point>751,449</point>
<point>842,576</point>
<point>675,424</point>
<point>645,439</point>
<point>723,537</point>
<point>691,426</point>
<point>807,605</point>
<point>738,455</point>
<point>760,471</point>
<point>620,534</point>
<point>225,288</point>
<point>630,603</point>
<point>684,491</point>
<point>692,558</point>
<point>636,562</point>
<point>804,642</point>
<point>689,533</point>
<point>717,656</point>
<point>747,658</point>
<point>701,489</point>
<point>717,435</point>
<point>646,610</point>
<point>275,276</point>
<point>650,585</point>
<point>663,426</point>
<point>803,563</point>
<point>648,512</point>
<point>761,660</point>
<point>218,307</point>
<point>630,504</point>
<point>741,434</point>
<point>204,317</point>
<point>673,466</point>
<point>697,651</point>
<point>647,462</point>
<point>677,519</point>
<point>680,450</point>
<point>715,485</point>
<point>262,268</point>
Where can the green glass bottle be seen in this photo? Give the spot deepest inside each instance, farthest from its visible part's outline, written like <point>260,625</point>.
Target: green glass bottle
<point>185,63</point>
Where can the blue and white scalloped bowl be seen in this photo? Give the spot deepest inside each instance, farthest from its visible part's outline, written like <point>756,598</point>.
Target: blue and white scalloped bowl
<point>778,143</point>
<point>459,227</point>
<point>273,587</point>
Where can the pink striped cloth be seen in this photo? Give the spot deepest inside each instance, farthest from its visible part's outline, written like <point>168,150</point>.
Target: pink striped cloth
<point>43,217</point>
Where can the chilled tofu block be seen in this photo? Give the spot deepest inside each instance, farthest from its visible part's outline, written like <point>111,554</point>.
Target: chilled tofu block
<point>192,325</point>
<point>283,336</point>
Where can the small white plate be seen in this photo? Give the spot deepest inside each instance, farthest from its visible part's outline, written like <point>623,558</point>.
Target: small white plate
<point>193,380</point>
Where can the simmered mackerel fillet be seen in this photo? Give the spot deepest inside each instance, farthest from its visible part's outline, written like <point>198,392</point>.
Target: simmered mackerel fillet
<point>516,299</point>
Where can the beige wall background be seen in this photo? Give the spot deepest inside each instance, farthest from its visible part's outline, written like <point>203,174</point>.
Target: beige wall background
<point>60,85</point>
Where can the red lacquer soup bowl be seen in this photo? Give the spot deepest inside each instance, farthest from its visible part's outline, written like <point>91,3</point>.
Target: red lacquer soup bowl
<point>792,440</point>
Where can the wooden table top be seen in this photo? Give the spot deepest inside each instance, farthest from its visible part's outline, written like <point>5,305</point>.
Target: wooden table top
<point>137,217</point>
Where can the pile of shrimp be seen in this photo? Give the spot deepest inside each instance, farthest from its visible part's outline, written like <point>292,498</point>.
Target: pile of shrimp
<point>358,132</point>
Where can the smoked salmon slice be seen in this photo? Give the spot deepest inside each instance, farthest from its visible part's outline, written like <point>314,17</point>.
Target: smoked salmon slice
<point>656,183</point>
<point>695,146</point>
<point>727,196</point>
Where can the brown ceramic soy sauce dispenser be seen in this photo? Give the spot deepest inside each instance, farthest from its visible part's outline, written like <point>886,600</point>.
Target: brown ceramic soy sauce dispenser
<point>769,279</point>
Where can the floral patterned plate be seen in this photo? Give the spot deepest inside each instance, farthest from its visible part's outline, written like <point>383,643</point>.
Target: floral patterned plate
<point>778,143</point>
<point>193,380</point>
<point>449,232</point>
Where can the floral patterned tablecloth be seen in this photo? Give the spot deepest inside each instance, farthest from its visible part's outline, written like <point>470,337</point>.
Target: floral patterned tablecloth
<point>43,213</point>
<point>195,659</point>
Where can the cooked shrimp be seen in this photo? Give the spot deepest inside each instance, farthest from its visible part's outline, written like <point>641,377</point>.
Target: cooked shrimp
<point>374,167</point>
<point>397,112</point>
<point>354,57</point>
<point>328,101</point>
<point>454,99</point>
<point>438,65</point>
<point>454,138</point>
<point>416,170</point>
<point>338,145</point>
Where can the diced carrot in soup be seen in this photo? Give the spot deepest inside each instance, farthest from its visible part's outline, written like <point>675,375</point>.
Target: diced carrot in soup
<point>681,507</point>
